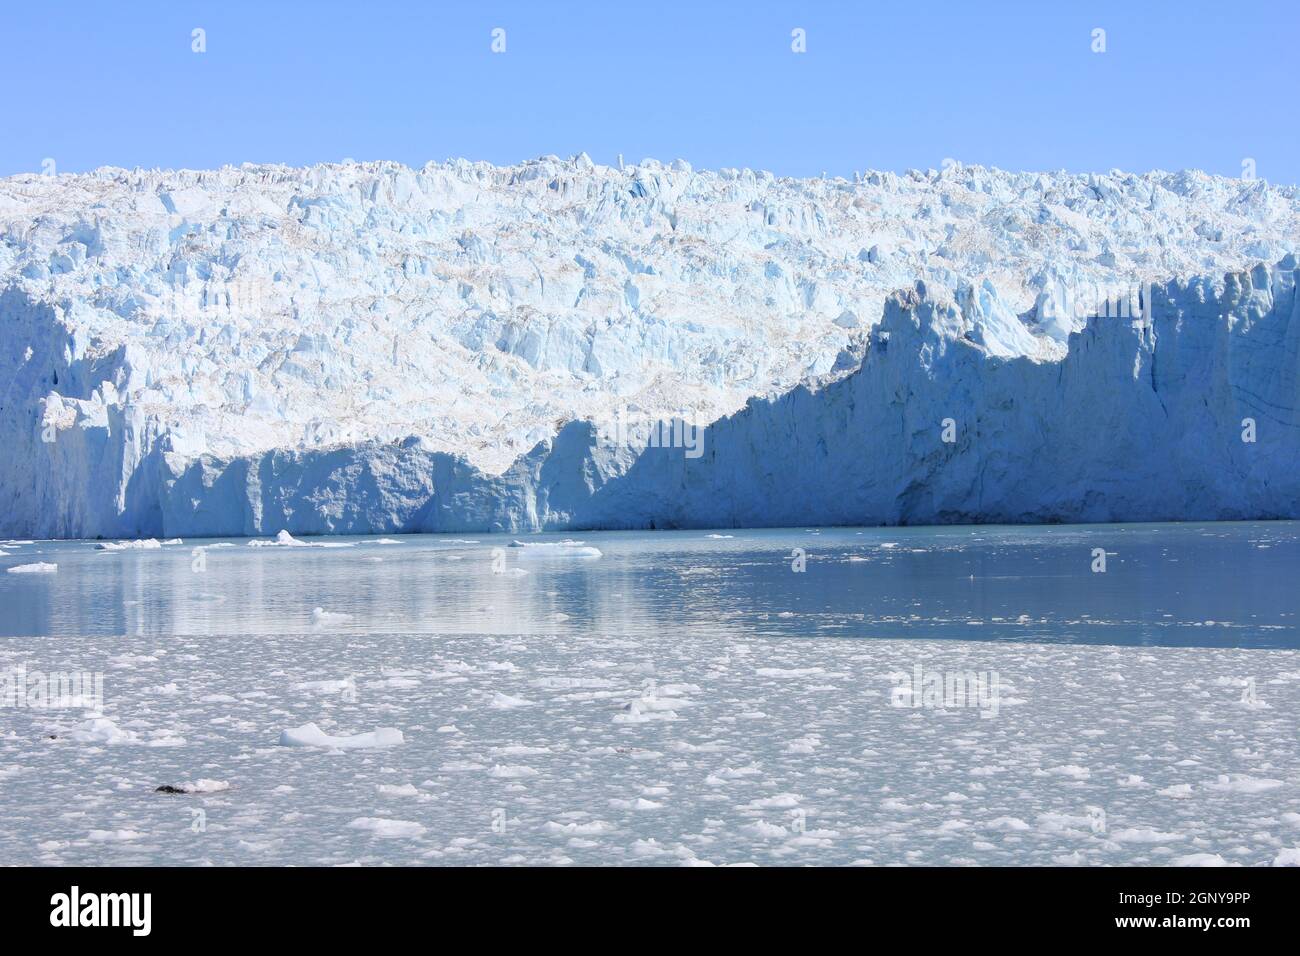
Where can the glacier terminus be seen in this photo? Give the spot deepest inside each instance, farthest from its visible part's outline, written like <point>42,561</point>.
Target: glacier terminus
<point>371,348</point>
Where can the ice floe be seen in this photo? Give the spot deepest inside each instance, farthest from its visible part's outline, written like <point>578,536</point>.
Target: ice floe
<point>309,735</point>
<point>39,567</point>
<point>555,549</point>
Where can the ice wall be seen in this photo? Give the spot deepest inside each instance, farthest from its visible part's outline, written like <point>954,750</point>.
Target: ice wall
<point>1145,418</point>
<point>369,346</point>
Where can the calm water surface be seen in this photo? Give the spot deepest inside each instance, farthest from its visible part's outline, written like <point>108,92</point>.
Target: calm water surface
<point>1213,585</point>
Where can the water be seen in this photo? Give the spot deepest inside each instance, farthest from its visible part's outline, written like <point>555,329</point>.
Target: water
<point>680,700</point>
<point>1210,585</point>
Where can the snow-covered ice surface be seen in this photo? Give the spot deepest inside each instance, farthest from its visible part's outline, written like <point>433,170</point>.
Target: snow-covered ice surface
<point>688,698</point>
<point>256,349</point>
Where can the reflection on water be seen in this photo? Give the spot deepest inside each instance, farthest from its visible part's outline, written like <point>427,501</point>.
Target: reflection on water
<point>1228,584</point>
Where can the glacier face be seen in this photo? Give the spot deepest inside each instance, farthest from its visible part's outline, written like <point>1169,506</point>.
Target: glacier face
<point>1189,412</point>
<point>374,348</point>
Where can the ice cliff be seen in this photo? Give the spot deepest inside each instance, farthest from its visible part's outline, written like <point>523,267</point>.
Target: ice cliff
<point>369,348</point>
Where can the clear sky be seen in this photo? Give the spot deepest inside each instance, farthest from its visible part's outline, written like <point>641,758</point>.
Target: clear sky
<point>883,84</point>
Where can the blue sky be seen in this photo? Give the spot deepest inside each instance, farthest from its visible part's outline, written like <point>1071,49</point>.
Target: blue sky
<point>883,84</point>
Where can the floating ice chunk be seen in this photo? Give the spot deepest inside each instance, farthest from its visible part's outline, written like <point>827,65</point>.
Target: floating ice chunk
<point>1010,824</point>
<point>643,711</point>
<point>381,541</point>
<point>792,672</point>
<point>321,617</point>
<point>145,544</point>
<point>283,539</point>
<point>1243,783</point>
<point>782,801</point>
<point>502,701</point>
<point>309,735</point>
<point>1201,859</point>
<point>593,828</point>
<point>555,549</point>
<point>398,790</point>
<point>1073,771</point>
<point>640,803</point>
<point>389,829</point>
<point>1288,857</point>
<point>327,686</point>
<point>40,567</point>
<point>766,831</point>
<point>512,771</point>
<point>647,848</point>
<point>1144,835</point>
<point>101,730</point>
<point>203,785</point>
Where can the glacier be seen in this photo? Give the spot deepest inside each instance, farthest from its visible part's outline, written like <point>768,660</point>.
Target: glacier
<point>369,348</point>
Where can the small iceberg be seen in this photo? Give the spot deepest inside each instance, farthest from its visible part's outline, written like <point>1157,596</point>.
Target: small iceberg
<point>321,617</point>
<point>389,829</point>
<point>555,549</point>
<point>101,730</point>
<point>309,735</point>
<point>40,567</point>
<point>146,544</point>
<point>283,540</point>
